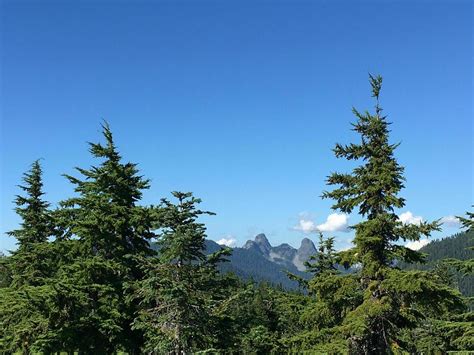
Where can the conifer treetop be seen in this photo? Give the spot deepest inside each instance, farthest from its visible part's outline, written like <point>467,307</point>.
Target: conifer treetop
<point>33,210</point>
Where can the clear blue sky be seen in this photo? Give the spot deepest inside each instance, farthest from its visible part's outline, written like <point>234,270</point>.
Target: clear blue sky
<point>239,102</point>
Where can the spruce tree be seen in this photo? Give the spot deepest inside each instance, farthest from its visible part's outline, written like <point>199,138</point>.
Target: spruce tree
<point>182,289</point>
<point>393,299</point>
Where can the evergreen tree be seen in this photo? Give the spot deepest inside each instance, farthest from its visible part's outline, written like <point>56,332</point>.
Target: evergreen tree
<point>105,216</point>
<point>468,221</point>
<point>28,263</point>
<point>324,261</point>
<point>181,290</point>
<point>393,299</point>
<point>459,329</point>
<point>333,296</point>
<point>25,273</point>
<point>5,275</point>
<point>465,266</point>
<point>107,229</point>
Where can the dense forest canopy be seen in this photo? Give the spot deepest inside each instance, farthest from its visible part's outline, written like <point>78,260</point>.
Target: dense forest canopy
<point>85,277</point>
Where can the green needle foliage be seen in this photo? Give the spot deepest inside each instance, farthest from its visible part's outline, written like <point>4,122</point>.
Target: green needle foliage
<point>181,290</point>
<point>459,329</point>
<point>23,296</point>
<point>393,299</point>
<point>109,230</point>
<point>105,216</point>
<point>465,266</point>
<point>28,265</point>
<point>103,274</point>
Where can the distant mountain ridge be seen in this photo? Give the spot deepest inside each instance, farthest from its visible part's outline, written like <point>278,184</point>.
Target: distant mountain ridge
<point>260,261</point>
<point>257,259</point>
<point>283,254</point>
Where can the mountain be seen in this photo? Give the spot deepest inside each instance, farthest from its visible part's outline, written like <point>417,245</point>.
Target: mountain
<point>283,254</point>
<point>457,247</point>
<point>260,261</point>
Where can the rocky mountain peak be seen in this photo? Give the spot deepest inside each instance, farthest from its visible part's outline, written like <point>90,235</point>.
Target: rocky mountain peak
<point>262,240</point>
<point>303,253</point>
<point>306,248</point>
<point>260,244</point>
<point>283,254</point>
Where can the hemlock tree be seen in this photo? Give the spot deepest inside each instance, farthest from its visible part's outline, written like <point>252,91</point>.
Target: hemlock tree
<point>460,328</point>
<point>28,264</point>
<point>468,221</point>
<point>111,229</point>
<point>333,297</point>
<point>182,289</point>
<point>106,217</point>
<point>324,261</point>
<point>393,299</point>
<point>465,266</point>
<point>25,292</point>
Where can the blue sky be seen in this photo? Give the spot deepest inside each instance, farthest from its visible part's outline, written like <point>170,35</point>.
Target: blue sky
<point>239,102</point>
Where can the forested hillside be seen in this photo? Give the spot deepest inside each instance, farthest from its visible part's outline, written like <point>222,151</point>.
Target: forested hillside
<point>102,272</point>
<point>251,265</point>
<point>458,246</point>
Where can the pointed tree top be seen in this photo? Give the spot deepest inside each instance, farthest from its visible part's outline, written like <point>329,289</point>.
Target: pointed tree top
<point>376,83</point>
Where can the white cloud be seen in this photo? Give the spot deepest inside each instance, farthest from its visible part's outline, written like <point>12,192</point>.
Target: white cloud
<point>334,223</point>
<point>418,244</point>
<point>450,222</point>
<point>227,241</point>
<point>409,218</point>
<point>306,226</point>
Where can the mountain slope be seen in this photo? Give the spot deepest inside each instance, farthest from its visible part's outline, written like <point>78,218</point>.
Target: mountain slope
<point>260,261</point>
<point>455,247</point>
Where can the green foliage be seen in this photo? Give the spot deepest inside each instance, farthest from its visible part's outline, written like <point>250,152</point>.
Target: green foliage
<point>105,216</point>
<point>85,280</point>
<point>24,292</point>
<point>392,299</point>
<point>24,321</point>
<point>453,254</point>
<point>33,210</point>
<point>111,230</point>
<point>28,264</point>
<point>182,289</point>
<point>259,340</point>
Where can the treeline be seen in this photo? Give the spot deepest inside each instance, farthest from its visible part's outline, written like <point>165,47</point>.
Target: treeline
<point>85,279</point>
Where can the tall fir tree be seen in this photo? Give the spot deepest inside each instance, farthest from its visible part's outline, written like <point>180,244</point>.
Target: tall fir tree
<point>393,299</point>
<point>28,264</point>
<point>182,288</point>
<point>111,229</point>
<point>24,322</point>
<point>105,216</point>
